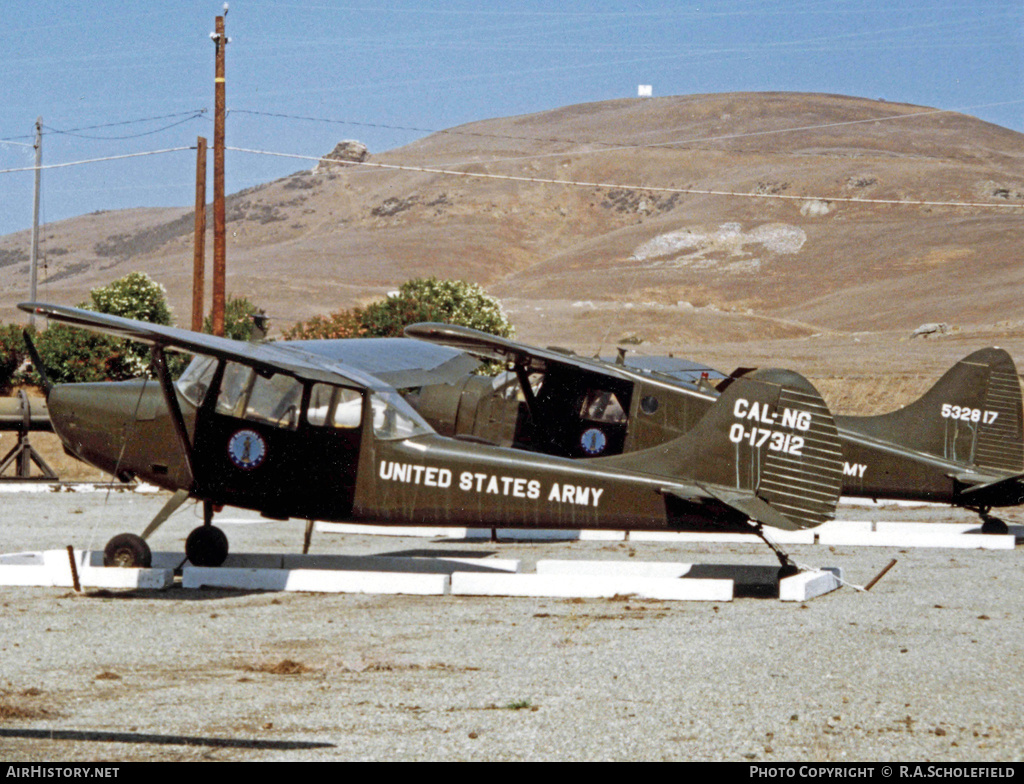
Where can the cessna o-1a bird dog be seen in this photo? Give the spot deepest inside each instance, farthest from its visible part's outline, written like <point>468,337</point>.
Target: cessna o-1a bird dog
<point>961,443</point>
<point>341,430</point>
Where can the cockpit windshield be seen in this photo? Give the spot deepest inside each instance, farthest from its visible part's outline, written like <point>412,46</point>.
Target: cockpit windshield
<point>194,383</point>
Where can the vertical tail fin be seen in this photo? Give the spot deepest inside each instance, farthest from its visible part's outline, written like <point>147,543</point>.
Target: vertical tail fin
<point>768,448</point>
<point>971,416</point>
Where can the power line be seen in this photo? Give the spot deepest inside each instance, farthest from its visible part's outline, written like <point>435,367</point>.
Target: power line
<point>75,131</point>
<point>191,114</point>
<point>97,160</point>
<point>646,188</point>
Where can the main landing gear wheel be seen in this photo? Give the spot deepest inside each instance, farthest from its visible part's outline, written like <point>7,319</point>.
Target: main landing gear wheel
<point>206,546</point>
<point>993,525</point>
<point>127,551</point>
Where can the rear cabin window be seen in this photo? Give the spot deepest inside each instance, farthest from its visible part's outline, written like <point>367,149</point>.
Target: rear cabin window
<point>331,406</point>
<point>602,406</point>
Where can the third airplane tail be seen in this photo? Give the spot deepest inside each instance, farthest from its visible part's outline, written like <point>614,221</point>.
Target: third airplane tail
<point>961,442</point>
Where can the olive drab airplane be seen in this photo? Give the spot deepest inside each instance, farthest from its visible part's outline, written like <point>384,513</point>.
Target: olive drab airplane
<point>961,443</point>
<point>362,430</point>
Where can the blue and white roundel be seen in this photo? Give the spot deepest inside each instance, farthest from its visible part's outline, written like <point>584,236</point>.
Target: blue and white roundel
<point>593,441</point>
<point>246,448</point>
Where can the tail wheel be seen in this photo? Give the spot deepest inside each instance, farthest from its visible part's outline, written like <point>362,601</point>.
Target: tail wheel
<point>127,551</point>
<point>206,546</point>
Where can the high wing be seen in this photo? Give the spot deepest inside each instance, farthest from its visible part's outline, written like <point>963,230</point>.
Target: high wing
<point>487,346</point>
<point>403,364</point>
<point>366,363</point>
<point>685,370</point>
<point>481,344</point>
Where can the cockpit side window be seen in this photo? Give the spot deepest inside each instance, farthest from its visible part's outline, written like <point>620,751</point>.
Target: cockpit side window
<point>234,388</point>
<point>275,400</point>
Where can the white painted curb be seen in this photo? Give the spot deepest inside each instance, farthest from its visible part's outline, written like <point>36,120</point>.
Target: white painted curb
<point>952,536</point>
<point>779,536</point>
<point>52,568</point>
<point>663,569</point>
<point>315,580</point>
<point>837,532</point>
<point>589,587</point>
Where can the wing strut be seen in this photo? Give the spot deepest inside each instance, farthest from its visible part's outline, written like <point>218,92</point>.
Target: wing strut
<point>171,398</point>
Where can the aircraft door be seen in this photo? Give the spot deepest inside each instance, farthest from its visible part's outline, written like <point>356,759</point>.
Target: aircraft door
<point>272,443</point>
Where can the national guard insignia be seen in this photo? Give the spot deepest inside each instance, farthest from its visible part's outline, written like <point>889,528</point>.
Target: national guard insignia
<point>593,441</point>
<point>246,448</point>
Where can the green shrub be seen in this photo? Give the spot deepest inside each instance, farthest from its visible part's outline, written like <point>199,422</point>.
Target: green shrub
<point>12,354</point>
<point>343,324</point>
<point>239,321</point>
<point>430,299</point>
<point>72,355</point>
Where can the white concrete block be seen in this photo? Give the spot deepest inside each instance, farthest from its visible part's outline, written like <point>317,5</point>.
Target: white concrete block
<point>603,536</point>
<point>859,537</point>
<point>511,565</point>
<point>22,559</point>
<point>23,574</point>
<point>398,530</point>
<point>664,569</point>
<point>53,568</point>
<point>594,587</point>
<point>161,560</point>
<point>806,585</point>
<point>114,577</point>
<point>779,536</point>
<point>315,580</point>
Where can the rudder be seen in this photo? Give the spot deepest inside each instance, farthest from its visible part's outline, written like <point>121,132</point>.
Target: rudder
<point>768,439</point>
<point>971,416</point>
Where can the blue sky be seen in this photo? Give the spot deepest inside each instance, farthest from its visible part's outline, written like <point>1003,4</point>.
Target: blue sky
<point>113,78</point>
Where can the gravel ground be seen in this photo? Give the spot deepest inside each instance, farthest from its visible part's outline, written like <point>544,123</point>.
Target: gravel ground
<point>927,666</point>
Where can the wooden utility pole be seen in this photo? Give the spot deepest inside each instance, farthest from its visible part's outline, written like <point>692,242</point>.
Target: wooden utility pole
<point>199,251</point>
<point>34,263</point>
<point>219,231</point>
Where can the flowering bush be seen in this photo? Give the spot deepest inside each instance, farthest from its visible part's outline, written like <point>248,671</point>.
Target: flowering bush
<point>135,296</point>
<point>421,299</point>
<point>70,354</point>
<point>343,324</point>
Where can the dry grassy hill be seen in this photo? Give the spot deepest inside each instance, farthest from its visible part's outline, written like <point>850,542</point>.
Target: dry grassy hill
<point>831,288</point>
<point>582,265</point>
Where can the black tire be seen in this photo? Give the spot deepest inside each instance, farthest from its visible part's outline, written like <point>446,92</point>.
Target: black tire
<point>206,546</point>
<point>993,525</point>
<point>127,551</point>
